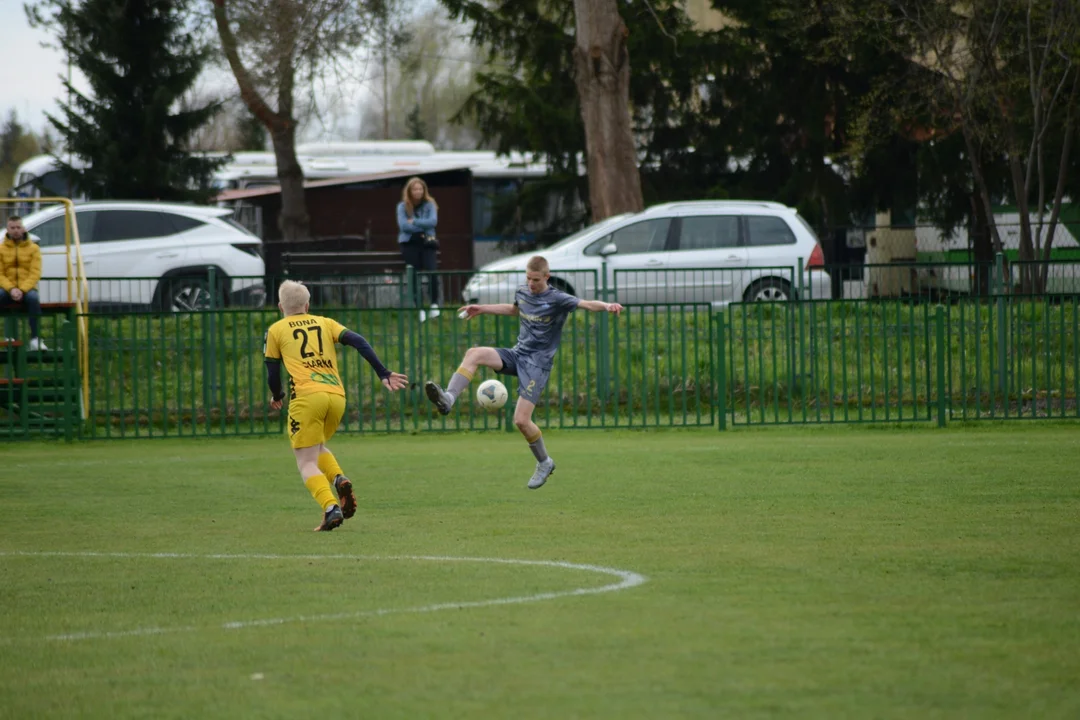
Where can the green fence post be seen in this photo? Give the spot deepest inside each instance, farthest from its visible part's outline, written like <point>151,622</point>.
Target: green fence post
<point>416,361</point>
<point>409,395</point>
<point>802,338</point>
<point>602,339</point>
<point>411,280</point>
<point>68,383</point>
<point>211,279</point>
<point>939,326</point>
<point>721,370</point>
<point>999,300</point>
<point>210,343</point>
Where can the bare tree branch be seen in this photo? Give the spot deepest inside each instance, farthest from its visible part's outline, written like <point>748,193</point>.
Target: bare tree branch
<point>248,92</point>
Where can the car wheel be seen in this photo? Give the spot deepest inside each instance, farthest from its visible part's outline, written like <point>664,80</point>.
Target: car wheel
<point>190,293</point>
<point>769,290</point>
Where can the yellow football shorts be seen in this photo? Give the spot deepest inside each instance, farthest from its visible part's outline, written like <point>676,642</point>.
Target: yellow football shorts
<point>314,418</point>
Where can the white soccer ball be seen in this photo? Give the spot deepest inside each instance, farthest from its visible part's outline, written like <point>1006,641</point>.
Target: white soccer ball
<point>491,394</point>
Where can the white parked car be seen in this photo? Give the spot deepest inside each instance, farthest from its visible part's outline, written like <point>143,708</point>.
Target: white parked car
<point>707,251</point>
<point>151,255</point>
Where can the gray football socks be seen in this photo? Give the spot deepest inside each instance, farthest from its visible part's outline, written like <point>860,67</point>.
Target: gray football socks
<point>538,449</point>
<point>458,383</point>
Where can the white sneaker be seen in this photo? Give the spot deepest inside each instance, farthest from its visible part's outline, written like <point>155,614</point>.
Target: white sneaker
<point>423,316</point>
<point>543,472</point>
<point>434,313</point>
<point>37,344</point>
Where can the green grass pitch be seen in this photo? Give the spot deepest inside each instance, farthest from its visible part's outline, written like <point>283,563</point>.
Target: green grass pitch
<point>869,573</point>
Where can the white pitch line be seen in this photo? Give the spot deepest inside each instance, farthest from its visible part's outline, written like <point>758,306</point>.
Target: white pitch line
<point>627,580</point>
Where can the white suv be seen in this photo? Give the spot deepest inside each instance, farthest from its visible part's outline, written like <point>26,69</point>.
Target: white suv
<point>705,251</point>
<point>151,255</point>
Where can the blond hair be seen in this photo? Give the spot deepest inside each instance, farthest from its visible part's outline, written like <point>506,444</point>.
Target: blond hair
<point>410,209</point>
<point>293,297</point>
<point>537,263</point>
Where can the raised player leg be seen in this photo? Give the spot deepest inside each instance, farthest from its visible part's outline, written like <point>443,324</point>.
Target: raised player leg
<point>342,485</point>
<point>328,464</point>
<point>474,358</point>
<point>335,410</point>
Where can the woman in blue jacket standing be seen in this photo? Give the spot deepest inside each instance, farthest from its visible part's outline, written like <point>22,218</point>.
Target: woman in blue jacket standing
<point>417,216</point>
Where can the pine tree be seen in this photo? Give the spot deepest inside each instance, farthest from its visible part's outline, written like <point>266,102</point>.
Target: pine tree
<point>139,58</point>
<point>10,135</point>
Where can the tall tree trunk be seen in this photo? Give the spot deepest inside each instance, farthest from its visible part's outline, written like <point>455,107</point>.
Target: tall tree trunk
<point>981,188</point>
<point>982,247</point>
<point>602,65</point>
<point>293,221</point>
<point>1059,187</point>
<point>1026,251</point>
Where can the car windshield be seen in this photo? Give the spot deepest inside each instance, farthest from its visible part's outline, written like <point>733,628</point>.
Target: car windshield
<point>586,231</point>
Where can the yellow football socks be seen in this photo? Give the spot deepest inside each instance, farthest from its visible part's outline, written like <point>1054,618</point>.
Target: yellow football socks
<point>319,488</point>
<point>329,465</point>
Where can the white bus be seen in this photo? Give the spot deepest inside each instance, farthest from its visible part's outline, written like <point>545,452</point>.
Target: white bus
<point>1063,273</point>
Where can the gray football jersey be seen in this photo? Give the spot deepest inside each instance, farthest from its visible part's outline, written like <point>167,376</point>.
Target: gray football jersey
<point>542,319</point>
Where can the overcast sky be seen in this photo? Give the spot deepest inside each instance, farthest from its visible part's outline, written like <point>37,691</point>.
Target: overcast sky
<point>33,80</point>
<point>32,74</point>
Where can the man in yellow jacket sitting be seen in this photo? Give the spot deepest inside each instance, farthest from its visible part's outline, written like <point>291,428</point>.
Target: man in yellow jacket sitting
<point>20,270</point>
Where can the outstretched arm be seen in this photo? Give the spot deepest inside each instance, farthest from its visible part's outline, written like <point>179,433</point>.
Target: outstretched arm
<point>600,306</point>
<point>471,311</point>
<point>391,380</point>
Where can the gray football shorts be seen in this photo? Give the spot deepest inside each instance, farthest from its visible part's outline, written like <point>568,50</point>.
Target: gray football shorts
<point>531,378</point>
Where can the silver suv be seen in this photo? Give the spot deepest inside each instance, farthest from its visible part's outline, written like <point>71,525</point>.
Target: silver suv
<point>152,255</point>
<point>705,251</point>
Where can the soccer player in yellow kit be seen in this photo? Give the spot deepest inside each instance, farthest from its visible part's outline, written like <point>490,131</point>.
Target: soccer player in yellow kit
<point>305,343</point>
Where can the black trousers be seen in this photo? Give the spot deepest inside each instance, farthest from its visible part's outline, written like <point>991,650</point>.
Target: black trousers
<point>425,260</point>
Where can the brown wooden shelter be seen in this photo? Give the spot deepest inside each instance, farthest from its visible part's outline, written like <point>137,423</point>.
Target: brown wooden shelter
<point>357,214</point>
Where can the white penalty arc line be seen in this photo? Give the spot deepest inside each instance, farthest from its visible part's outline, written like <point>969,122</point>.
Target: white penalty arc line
<point>627,579</point>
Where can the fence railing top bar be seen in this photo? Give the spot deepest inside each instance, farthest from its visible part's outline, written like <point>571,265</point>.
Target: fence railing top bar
<point>707,269</point>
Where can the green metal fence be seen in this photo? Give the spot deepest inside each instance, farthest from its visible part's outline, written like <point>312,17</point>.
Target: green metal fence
<point>862,361</point>
<point>163,373</point>
<point>40,389</point>
<point>828,362</point>
<point>1014,358</point>
<point>192,374</point>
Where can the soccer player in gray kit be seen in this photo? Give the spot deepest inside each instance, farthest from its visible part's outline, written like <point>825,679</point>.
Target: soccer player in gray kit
<point>543,311</point>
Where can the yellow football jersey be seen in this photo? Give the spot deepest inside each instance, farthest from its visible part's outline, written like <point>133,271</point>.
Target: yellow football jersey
<point>305,343</point>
